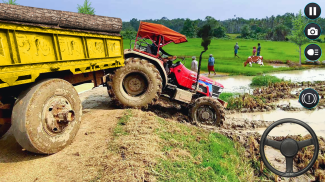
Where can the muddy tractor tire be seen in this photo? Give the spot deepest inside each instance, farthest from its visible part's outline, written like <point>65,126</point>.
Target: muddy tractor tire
<point>208,111</point>
<point>46,117</point>
<point>136,85</point>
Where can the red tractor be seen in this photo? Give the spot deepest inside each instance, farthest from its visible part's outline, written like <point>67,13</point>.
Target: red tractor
<point>150,73</point>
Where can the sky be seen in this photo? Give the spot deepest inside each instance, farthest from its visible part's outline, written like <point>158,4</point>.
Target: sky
<point>192,9</point>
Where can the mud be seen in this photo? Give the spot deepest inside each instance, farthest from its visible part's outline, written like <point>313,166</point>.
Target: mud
<point>265,99</point>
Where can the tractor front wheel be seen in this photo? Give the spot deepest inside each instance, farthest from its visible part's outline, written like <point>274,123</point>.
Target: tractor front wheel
<point>208,111</point>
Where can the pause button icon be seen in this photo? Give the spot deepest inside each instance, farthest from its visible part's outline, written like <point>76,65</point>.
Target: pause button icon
<point>312,11</point>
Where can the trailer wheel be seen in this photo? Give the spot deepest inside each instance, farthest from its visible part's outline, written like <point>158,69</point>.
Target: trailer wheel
<point>46,117</point>
<point>135,85</point>
<point>208,111</point>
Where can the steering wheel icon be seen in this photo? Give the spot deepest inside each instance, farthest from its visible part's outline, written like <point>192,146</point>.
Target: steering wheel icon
<point>289,148</point>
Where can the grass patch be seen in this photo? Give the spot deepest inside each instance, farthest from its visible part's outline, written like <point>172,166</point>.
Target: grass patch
<point>225,96</point>
<point>118,130</point>
<point>233,35</point>
<point>156,149</point>
<point>265,80</point>
<point>197,155</point>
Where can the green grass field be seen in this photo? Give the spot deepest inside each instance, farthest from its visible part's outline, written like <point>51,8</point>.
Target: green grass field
<point>233,36</point>
<point>223,52</point>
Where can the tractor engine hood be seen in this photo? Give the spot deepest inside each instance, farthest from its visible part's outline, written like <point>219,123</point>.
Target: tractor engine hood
<point>208,80</point>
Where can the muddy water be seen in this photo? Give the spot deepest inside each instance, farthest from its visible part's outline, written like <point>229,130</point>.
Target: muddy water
<point>302,75</point>
<point>241,84</point>
<point>315,119</point>
<point>238,84</point>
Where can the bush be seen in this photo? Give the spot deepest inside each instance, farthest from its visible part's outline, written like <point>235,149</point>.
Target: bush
<point>319,40</point>
<point>225,96</point>
<point>219,32</point>
<point>265,80</point>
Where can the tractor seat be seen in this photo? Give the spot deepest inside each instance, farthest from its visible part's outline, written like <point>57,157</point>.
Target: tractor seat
<point>149,49</point>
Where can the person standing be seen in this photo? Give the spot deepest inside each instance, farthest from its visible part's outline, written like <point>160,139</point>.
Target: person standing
<point>254,51</point>
<point>211,65</point>
<point>236,49</point>
<point>194,64</point>
<point>259,49</point>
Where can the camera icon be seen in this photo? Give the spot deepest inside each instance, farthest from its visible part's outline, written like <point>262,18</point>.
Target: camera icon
<point>312,31</point>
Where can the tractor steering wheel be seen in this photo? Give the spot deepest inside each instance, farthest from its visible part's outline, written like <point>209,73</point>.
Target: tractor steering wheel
<point>289,148</point>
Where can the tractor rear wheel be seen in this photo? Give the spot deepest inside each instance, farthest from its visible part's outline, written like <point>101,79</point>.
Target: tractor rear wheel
<point>136,85</point>
<point>46,117</point>
<point>208,111</point>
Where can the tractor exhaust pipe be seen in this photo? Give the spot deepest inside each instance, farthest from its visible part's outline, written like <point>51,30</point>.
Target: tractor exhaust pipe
<point>198,72</point>
<point>205,32</point>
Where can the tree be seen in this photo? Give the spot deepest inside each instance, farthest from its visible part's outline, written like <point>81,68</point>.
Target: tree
<point>219,32</point>
<point>10,2</point>
<point>129,34</point>
<point>205,31</point>
<point>280,32</point>
<point>212,22</point>
<point>245,31</point>
<point>86,8</point>
<point>297,34</point>
<point>189,28</point>
<point>135,23</point>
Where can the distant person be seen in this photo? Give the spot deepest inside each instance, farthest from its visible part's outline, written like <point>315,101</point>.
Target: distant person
<point>211,65</point>
<point>194,64</point>
<point>259,49</point>
<point>236,49</point>
<point>254,51</point>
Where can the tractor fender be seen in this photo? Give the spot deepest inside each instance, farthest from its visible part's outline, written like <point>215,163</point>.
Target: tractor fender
<point>131,53</point>
<point>224,103</point>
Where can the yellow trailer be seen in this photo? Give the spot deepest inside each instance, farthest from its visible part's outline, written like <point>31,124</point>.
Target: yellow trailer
<point>39,64</point>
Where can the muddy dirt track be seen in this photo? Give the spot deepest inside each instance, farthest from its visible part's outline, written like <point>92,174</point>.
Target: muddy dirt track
<point>81,161</point>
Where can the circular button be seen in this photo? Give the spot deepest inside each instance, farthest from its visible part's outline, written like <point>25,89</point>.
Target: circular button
<point>309,98</point>
<point>312,11</point>
<point>313,31</point>
<point>313,52</point>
